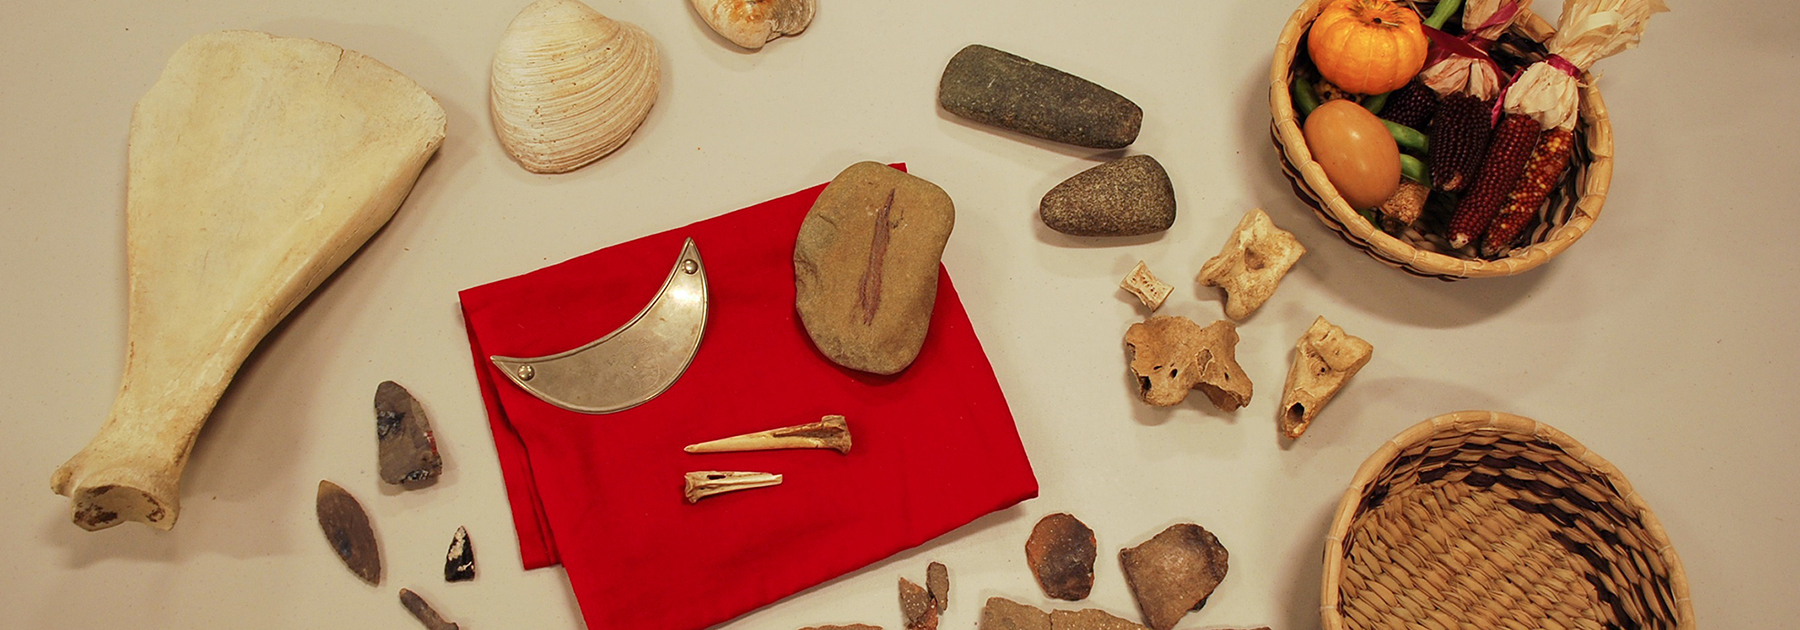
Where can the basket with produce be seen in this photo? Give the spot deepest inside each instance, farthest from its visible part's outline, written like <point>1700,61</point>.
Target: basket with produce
<point>1449,139</point>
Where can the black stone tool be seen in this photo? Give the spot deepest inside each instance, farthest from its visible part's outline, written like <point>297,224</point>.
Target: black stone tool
<point>459,562</point>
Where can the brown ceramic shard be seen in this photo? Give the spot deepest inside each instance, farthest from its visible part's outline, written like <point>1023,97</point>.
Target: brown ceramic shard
<point>1171,355</point>
<point>937,583</point>
<point>1004,614</point>
<point>1090,619</point>
<point>916,608</point>
<point>347,528</point>
<point>1174,572</point>
<point>424,612</point>
<point>407,448</point>
<point>1061,553</point>
<point>854,626</point>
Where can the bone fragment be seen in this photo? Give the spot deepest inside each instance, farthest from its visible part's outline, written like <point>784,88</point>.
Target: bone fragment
<point>1324,359</point>
<point>258,164</point>
<point>1143,284</point>
<point>1171,355</point>
<point>424,612</point>
<point>832,432</point>
<point>1252,263</point>
<point>707,483</point>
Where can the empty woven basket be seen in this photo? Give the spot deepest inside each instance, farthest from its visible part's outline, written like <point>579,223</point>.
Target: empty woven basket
<point>1487,520</point>
<point>1571,209</point>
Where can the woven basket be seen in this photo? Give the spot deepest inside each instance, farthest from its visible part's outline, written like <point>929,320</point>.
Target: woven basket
<point>1487,520</point>
<point>1570,211</point>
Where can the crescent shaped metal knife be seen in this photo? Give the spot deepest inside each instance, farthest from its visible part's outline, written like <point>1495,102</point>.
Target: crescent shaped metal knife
<point>633,364</point>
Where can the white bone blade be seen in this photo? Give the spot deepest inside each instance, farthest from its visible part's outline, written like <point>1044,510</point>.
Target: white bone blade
<point>705,483</point>
<point>258,164</point>
<point>830,432</point>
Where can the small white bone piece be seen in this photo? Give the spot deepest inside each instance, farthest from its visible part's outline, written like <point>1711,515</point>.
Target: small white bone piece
<point>1252,263</point>
<point>257,165</point>
<point>1143,284</point>
<point>1324,359</point>
<point>706,483</point>
<point>831,432</point>
<point>1172,355</point>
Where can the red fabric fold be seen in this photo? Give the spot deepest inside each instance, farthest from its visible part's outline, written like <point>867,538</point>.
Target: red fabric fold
<point>935,446</point>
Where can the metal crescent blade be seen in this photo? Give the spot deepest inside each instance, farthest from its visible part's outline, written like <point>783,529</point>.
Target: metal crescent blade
<point>633,364</point>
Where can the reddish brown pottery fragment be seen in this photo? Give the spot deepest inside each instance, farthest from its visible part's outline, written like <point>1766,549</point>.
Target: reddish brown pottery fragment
<point>1174,572</point>
<point>916,607</point>
<point>1061,553</point>
<point>937,583</point>
<point>854,626</point>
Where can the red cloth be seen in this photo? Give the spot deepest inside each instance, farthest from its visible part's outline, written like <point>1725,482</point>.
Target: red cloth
<point>935,446</point>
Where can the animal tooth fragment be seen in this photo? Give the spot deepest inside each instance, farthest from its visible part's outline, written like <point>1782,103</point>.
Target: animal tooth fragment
<point>347,528</point>
<point>1251,265</point>
<point>937,584</point>
<point>569,85</point>
<point>706,483</point>
<point>831,432</point>
<point>1143,284</point>
<point>752,23</point>
<point>1325,358</point>
<point>459,561</point>
<point>424,612</point>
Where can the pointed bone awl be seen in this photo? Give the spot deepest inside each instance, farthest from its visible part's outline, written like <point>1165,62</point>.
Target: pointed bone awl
<point>706,483</point>
<point>347,528</point>
<point>831,432</point>
<point>426,614</point>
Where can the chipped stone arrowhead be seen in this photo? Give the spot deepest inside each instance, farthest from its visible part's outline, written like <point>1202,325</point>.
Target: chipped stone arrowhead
<point>347,528</point>
<point>424,612</point>
<point>1174,572</point>
<point>1129,196</point>
<point>1061,553</point>
<point>408,451</point>
<point>1008,91</point>
<point>866,266</point>
<point>854,626</point>
<point>459,561</point>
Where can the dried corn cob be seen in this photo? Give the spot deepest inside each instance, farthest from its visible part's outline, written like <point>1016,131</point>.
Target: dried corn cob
<point>1413,105</point>
<point>1542,171</point>
<point>1459,140</point>
<point>1513,142</point>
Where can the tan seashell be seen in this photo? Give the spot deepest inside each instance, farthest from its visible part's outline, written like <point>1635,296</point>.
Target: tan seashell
<point>569,85</point>
<point>752,23</point>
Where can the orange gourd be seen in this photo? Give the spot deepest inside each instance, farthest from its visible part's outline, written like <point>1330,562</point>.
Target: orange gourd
<point>1367,46</point>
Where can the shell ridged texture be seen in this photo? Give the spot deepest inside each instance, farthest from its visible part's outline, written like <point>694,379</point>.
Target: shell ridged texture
<point>570,85</point>
<point>752,23</point>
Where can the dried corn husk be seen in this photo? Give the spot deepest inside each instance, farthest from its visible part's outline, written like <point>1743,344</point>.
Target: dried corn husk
<point>1587,31</point>
<point>1484,21</point>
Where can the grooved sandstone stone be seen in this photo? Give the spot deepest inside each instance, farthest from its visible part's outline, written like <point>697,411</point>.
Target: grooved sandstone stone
<point>1008,91</point>
<point>1125,197</point>
<point>866,266</point>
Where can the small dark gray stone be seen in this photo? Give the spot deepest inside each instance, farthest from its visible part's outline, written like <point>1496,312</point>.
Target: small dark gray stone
<point>866,266</point>
<point>408,451</point>
<point>1008,91</point>
<point>459,561</point>
<point>1005,614</point>
<point>1125,197</point>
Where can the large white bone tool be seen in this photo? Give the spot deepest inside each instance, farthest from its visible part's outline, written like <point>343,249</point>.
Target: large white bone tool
<point>258,164</point>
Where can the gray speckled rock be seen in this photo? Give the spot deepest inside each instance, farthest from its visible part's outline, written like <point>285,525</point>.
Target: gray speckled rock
<point>866,266</point>
<point>1008,91</point>
<point>1125,197</point>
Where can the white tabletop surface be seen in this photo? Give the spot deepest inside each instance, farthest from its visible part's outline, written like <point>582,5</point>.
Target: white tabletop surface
<point>1665,340</point>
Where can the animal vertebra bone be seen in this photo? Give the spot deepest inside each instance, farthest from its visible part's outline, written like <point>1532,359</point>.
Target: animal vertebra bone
<point>1324,359</point>
<point>258,164</point>
<point>831,432</point>
<point>1251,264</point>
<point>706,483</point>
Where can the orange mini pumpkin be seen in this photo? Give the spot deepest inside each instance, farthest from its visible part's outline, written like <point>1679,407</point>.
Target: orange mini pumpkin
<point>1367,46</point>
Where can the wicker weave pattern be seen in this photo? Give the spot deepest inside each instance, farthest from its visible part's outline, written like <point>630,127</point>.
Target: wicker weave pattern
<point>1486,520</point>
<point>1568,214</point>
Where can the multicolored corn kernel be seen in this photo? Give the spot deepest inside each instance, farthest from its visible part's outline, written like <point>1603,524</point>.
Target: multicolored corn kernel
<point>1514,140</point>
<point>1407,203</point>
<point>1412,105</point>
<point>1460,133</point>
<point>1542,172</point>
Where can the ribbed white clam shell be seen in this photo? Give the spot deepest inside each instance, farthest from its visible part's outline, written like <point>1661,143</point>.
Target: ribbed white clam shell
<point>569,85</point>
<point>751,23</point>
